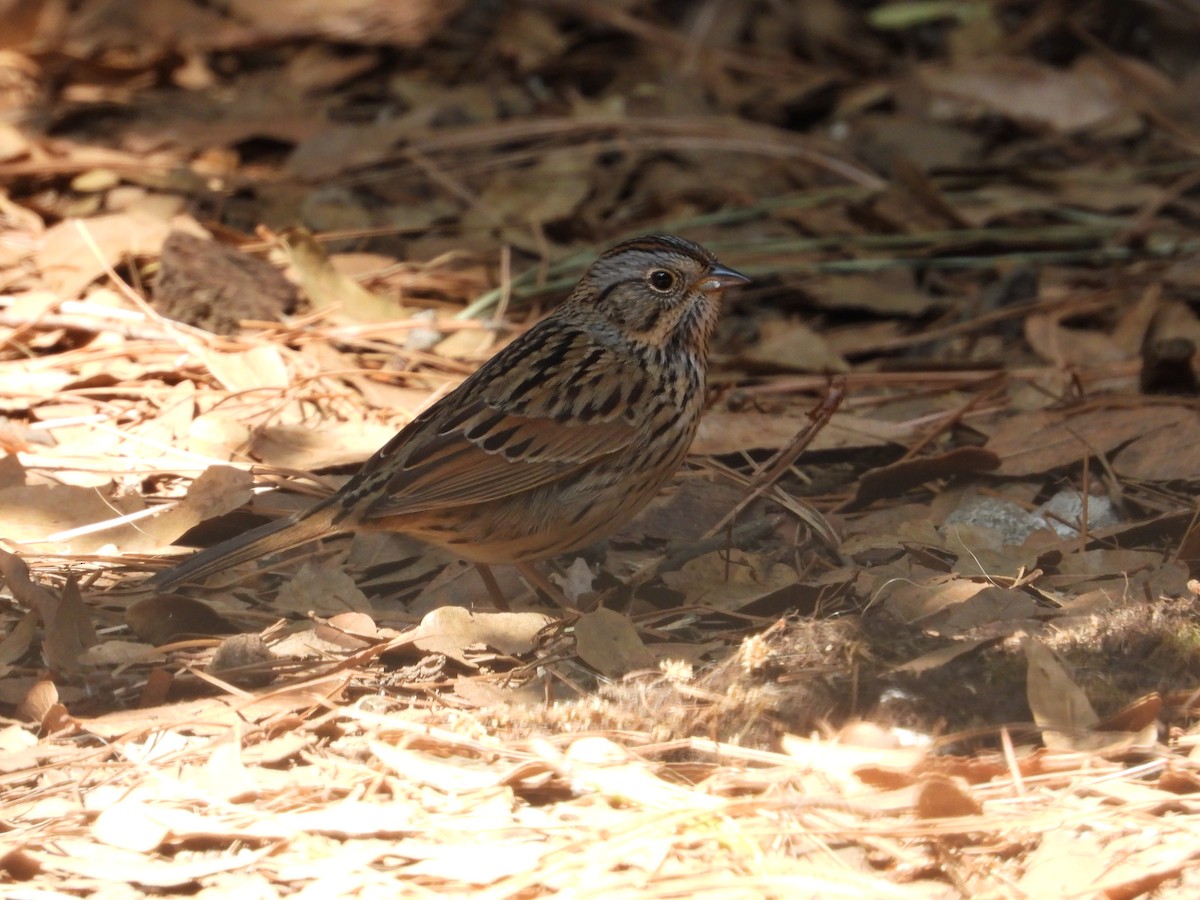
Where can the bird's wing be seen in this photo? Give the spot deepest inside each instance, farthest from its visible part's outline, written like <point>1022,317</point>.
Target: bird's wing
<point>486,455</point>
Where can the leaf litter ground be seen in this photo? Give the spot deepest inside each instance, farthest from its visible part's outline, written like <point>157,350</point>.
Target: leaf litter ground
<point>917,620</point>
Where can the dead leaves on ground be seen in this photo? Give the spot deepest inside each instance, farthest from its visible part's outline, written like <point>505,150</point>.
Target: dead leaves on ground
<point>991,243</point>
<point>297,786</point>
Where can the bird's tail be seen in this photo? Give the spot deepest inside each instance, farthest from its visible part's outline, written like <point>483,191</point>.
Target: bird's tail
<point>273,537</point>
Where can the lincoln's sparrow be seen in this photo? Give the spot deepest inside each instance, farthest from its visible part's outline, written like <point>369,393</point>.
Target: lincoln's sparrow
<point>557,440</point>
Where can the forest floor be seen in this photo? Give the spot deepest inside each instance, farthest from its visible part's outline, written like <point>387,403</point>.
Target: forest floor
<point>918,618</point>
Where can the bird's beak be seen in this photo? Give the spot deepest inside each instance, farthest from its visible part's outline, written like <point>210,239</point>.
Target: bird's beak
<point>719,276</point>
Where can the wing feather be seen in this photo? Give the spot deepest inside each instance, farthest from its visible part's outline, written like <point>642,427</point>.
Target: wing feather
<point>516,454</point>
<point>496,436</point>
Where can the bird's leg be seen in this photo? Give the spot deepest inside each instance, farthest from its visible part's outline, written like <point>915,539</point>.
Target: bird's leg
<point>493,588</point>
<point>533,576</point>
<point>545,585</point>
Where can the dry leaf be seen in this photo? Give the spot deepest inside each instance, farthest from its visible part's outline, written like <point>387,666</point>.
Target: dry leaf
<point>452,631</point>
<point>351,630</point>
<point>216,491</point>
<point>599,765</point>
<point>227,776</point>
<point>729,581</point>
<point>1065,861</point>
<point>941,796</point>
<point>548,190</point>
<point>34,513</point>
<point>161,620</point>
<point>306,449</point>
<point>259,368</point>
<point>1164,453</point>
<point>83,858</point>
<point>488,863</point>
<point>75,252</point>
<point>608,642</point>
<point>893,480</point>
<point>842,762</point>
<point>791,346</point>
<point>66,623</point>
<point>1060,707</point>
<point>887,293</point>
<point>911,601</point>
<point>18,640</point>
<point>39,702</point>
<point>1064,439</point>
<point>118,654</point>
<point>1029,92</point>
<point>408,24</point>
<point>129,825</point>
<point>990,606</point>
<point>1066,347</point>
<point>420,768</point>
<point>217,715</point>
<point>940,657</point>
<point>329,289</point>
<point>322,589</point>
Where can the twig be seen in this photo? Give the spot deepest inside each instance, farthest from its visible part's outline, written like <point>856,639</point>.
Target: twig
<point>744,535</point>
<point>787,455</point>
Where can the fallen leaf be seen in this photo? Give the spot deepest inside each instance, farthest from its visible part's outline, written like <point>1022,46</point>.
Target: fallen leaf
<point>227,776</point>
<point>18,640</point>
<point>1064,346</point>
<point>306,449</point>
<point>76,252</point>
<point>893,480</point>
<point>452,630</point>
<point>723,431</point>
<point>608,642</point>
<point>161,620</point>
<point>942,796</point>
<point>421,768</point>
<point>324,590</point>
<point>988,606</point>
<point>547,190</point>
<point>1064,439</point>
<point>129,825</point>
<point>1169,452</point>
<point>1060,707</point>
<point>789,345</point>
<point>408,24</point>
<point>66,623</point>
<point>216,491</point>
<point>888,293</point>
<point>119,654</point>
<point>328,289</point>
<point>259,368</point>
<point>1028,92</point>
<point>912,602</point>
<point>1064,863</point>
<point>943,655</point>
<point>729,581</point>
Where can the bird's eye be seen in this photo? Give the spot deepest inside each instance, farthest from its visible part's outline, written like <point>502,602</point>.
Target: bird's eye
<point>662,280</point>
